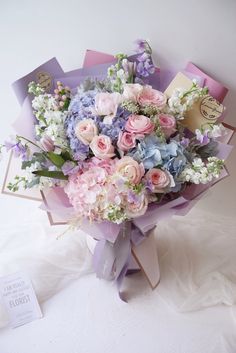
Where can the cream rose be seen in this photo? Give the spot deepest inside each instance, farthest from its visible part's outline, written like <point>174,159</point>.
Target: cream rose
<point>138,209</point>
<point>106,104</point>
<point>150,96</point>
<point>85,130</point>
<point>102,147</point>
<point>130,169</point>
<point>131,92</point>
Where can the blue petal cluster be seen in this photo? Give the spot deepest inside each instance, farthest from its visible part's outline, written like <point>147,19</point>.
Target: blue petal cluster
<point>118,125</point>
<point>152,152</point>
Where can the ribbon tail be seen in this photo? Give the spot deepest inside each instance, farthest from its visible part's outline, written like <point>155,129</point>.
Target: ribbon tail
<point>145,254</point>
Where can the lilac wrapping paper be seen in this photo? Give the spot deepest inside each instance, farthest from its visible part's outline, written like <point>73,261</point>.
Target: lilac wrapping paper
<point>113,253</point>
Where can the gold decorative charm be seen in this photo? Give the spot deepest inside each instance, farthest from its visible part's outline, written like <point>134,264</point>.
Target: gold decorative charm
<point>210,108</point>
<point>45,80</point>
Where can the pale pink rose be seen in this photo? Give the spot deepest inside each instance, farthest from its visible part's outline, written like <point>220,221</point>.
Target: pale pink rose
<point>126,141</point>
<point>85,130</point>
<point>131,92</point>
<point>130,169</point>
<point>138,209</point>
<point>150,96</point>
<point>139,124</point>
<point>102,147</point>
<point>158,179</point>
<point>106,104</point>
<point>167,123</point>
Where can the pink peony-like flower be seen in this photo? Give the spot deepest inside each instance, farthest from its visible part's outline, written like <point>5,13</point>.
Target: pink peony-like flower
<point>85,130</point>
<point>137,209</point>
<point>139,124</point>
<point>130,169</point>
<point>150,96</point>
<point>84,189</point>
<point>132,91</point>
<point>107,164</point>
<point>167,123</point>
<point>158,179</point>
<point>126,141</point>
<point>102,147</point>
<point>106,104</point>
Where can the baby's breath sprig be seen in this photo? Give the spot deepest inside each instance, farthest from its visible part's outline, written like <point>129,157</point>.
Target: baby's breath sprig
<point>35,88</point>
<point>149,110</point>
<point>136,188</point>
<point>131,107</point>
<point>115,214</point>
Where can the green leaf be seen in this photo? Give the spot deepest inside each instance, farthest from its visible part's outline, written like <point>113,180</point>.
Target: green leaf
<point>56,159</point>
<point>66,156</point>
<point>51,174</point>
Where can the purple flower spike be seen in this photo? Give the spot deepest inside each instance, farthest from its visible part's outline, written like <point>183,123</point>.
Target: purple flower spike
<point>142,46</point>
<point>17,148</point>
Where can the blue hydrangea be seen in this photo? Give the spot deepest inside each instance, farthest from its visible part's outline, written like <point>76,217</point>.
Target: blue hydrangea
<point>81,107</point>
<point>118,124</point>
<point>152,152</point>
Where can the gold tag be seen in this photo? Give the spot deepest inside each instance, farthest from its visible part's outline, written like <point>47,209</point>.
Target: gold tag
<point>210,108</point>
<point>45,80</point>
<point>204,111</point>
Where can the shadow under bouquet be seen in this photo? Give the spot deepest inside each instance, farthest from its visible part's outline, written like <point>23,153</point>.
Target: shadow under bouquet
<point>117,146</point>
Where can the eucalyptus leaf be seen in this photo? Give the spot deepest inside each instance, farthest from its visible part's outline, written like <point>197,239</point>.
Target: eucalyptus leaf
<point>51,174</point>
<point>56,159</point>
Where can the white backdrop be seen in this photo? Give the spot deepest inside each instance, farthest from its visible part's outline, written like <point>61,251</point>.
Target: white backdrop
<point>88,317</point>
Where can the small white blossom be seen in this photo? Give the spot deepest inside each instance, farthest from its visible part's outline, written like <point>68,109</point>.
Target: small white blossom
<point>201,173</point>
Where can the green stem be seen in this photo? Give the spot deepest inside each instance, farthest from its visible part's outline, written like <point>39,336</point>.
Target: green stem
<point>32,143</point>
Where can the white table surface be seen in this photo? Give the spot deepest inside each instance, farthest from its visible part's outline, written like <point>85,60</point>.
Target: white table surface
<point>88,316</point>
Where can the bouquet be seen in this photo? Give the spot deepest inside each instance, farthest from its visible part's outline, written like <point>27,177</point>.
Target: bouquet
<point>118,145</point>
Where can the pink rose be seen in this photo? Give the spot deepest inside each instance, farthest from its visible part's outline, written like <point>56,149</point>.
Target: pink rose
<point>150,96</point>
<point>130,169</point>
<point>106,104</point>
<point>102,147</point>
<point>126,141</point>
<point>139,124</point>
<point>138,209</point>
<point>85,130</point>
<point>159,180</point>
<point>167,123</point>
<point>131,92</point>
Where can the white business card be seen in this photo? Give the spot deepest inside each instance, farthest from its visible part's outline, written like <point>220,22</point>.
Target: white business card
<point>19,299</point>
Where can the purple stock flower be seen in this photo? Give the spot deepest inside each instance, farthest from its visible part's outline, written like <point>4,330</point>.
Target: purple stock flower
<point>70,168</point>
<point>202,137</point>
<point>185,142</point>
<point>142,46</point>
<point>145,68</point>
<point>17,148</point>
<point>133,197</point>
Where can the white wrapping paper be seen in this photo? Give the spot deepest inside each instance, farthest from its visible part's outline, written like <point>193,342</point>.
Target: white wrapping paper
<point>196,255</point>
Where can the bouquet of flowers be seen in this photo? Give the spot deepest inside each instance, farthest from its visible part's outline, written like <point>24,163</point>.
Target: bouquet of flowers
<point>121,149</point>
